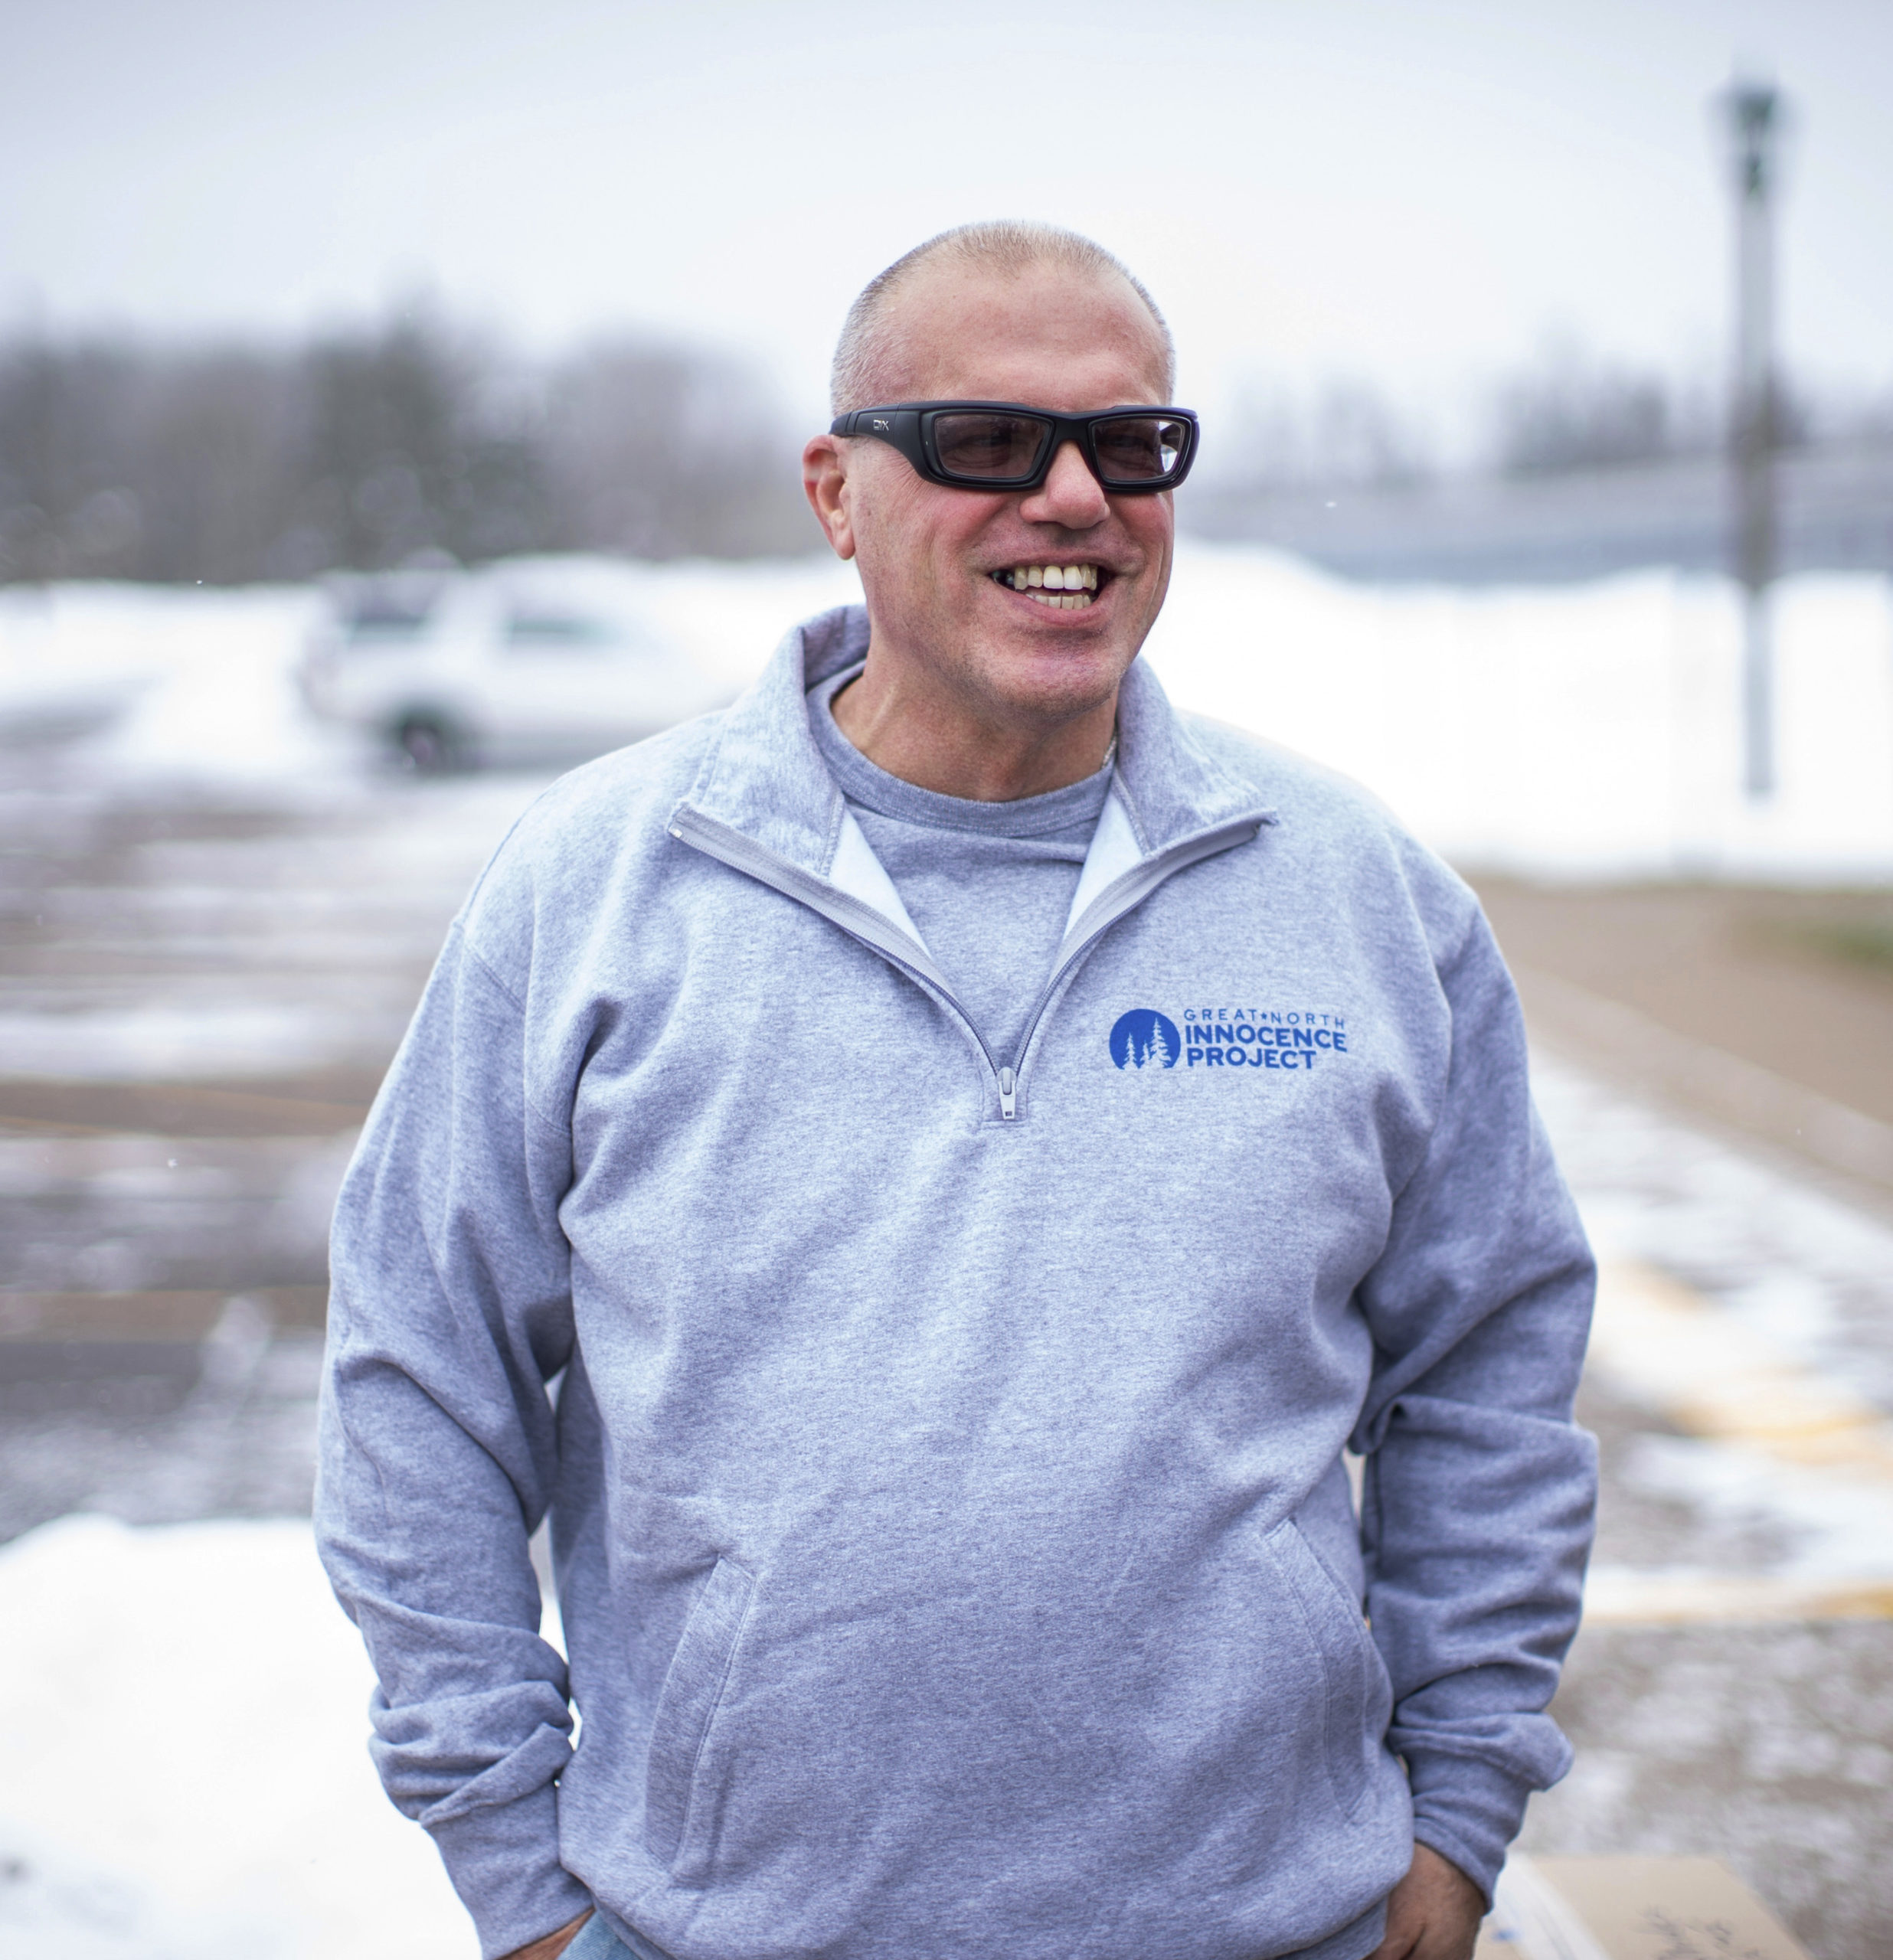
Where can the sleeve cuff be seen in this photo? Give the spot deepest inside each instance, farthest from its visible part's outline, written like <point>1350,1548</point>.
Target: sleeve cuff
<point>1468,1811</point>
<point>504,1861</point>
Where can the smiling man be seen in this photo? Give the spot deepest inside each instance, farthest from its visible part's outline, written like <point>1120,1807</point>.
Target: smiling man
<point>921,1177</point>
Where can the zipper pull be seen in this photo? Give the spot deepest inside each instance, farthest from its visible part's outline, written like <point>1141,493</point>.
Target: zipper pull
<point>1008,1097</point>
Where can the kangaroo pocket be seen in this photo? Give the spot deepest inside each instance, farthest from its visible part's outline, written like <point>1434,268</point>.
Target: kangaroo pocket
<point>687,1709</point>
<point>1104,1714</point>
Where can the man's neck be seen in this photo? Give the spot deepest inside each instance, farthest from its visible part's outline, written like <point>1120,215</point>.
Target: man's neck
<point>938,743</point>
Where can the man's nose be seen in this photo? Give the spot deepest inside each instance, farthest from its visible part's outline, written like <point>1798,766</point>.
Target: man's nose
<point>1070,495</point>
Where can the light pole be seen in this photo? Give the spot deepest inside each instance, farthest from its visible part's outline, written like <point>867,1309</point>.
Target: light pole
<point>1755,114</point>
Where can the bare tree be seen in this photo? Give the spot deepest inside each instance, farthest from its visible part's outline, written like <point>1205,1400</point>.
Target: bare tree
<point>1571,411</point>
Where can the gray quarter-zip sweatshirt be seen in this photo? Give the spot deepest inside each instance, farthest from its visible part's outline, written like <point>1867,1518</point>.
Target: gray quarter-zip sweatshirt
<point>945,1468</point>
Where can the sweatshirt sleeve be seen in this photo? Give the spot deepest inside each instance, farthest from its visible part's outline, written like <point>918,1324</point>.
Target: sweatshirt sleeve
<point>1480,1492</point>
<point>449,1312</point>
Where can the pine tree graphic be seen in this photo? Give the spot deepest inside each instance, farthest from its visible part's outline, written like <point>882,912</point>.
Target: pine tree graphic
<point>1143,1036</point>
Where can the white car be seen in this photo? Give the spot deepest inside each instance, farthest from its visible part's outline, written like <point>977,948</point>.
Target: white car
<point>456,669</point>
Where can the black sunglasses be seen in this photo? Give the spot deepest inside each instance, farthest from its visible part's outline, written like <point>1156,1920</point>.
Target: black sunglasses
<point>1003,445</point>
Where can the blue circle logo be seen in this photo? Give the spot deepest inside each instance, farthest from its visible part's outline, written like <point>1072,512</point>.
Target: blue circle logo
<point>1143,1036</point>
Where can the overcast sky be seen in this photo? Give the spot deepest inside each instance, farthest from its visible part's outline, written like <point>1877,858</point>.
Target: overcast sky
<point>1416,194</point>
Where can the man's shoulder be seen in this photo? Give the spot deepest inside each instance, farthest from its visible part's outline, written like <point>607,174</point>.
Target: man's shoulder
<point>586,834</point>
<point>617,802</point>
<point>1300,792</point>
<point>1338,827</point>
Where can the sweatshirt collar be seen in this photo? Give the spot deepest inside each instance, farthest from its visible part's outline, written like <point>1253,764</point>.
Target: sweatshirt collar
<point>765,777</point>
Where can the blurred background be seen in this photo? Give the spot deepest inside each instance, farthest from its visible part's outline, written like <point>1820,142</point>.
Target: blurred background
<point>398,403</point>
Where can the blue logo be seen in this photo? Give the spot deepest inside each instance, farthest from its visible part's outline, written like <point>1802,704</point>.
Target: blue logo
<point>1144,1036</point>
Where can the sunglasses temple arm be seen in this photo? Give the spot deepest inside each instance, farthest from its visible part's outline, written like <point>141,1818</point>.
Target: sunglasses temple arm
<point>872,421</point>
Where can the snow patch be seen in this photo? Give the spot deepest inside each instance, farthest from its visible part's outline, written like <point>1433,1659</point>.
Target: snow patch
<point>1578,730</point>
<point>188,1703</point>
<point>1841,1526</point>
<point>166,1043</point>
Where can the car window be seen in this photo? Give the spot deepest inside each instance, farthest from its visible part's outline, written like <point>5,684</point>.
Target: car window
<point>379,625</point>
<point>544,631</point>
<point>547,630</point>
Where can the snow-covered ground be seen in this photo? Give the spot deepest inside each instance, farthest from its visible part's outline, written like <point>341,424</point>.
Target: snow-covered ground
<point>1578,730</point>
<point>183,1772</point>
<point>1573,731</point>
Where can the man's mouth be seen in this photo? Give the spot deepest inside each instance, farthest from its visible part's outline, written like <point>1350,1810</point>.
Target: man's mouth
<point>1069,588</point>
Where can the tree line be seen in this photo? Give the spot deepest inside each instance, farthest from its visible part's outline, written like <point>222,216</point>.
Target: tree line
<point>1567,411</point>
<point>121,457</point>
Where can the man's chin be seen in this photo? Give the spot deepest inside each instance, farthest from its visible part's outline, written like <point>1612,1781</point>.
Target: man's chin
<point>1049,679</point>
<point>1062,654</point>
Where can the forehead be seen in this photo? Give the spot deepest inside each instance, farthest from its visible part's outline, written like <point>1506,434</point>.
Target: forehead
<point>1047,335</point>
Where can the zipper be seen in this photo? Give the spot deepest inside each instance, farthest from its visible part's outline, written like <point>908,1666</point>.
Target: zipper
<point>874,930</point>
<point>859,921</point>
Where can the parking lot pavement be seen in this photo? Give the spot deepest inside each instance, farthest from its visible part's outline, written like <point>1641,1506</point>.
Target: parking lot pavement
<point>198,996</point>
<point>160,1431</point>
<point>1732,1692</point>
<point>196,999</point>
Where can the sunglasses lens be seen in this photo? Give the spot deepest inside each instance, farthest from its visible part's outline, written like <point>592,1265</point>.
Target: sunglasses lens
<point>978,443</point>
<point>1140,448</point>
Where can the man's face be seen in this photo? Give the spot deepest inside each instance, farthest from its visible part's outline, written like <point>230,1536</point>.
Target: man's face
<point>936,564</point>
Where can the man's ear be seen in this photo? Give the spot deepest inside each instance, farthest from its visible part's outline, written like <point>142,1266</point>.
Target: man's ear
<point>825,482</point>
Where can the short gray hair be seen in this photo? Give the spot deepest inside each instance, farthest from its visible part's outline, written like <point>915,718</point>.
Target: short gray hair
<point>1011,246</point>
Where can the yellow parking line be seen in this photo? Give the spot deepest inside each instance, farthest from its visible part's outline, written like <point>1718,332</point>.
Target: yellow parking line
<point>1713,1377</point>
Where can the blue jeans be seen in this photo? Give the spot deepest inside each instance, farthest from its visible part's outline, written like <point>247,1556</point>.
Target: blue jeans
<point>597,1941</point>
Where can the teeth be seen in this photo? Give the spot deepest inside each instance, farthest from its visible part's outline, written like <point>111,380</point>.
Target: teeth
<point>1068,587</point>
<point>1051,578</point>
